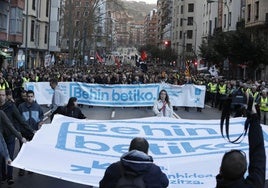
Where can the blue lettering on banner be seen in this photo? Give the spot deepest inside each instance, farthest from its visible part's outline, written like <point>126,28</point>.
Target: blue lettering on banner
<point>197,91</point>
<point>172,141</point>
<point>87,169</point>
<point>115,95</point>
<point>30,87</point>
<point>185,178</point>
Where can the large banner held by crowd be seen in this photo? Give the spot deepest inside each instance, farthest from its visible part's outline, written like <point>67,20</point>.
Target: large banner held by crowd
<point>129,95</point>
<point>188,151</point>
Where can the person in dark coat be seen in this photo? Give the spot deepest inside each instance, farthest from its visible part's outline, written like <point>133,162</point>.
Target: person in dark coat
<point>9,133</point>
<point>234,163</point>
<point>20,125</point>
<point>137,161</point>
<point>70,110</point>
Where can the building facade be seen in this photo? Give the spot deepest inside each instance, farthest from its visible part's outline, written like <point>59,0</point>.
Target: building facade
<point>256,22</point>
<point>36,33</point>
<point>164,10</point>
<point>187,29</point>
<point>11,29</point>
<point>150,28</point>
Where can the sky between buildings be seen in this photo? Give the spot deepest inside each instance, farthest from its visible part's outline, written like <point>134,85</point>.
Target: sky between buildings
<point>147,1</point>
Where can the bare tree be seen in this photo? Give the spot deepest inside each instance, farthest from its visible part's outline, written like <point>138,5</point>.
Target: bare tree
<point>84,23</point>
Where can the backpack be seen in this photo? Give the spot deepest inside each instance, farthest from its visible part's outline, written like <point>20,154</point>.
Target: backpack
<point>129,180</point>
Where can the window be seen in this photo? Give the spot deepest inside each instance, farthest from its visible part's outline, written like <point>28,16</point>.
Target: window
<point>77,14</point>
<point>76,44</point>
<point>3,21</point>
<point>32,30</point>
<point>16,19</point>
<point>46,33</point>
<point>190,21</point>
<point>256,10</point>
<point>190,7</point>
<point>189,34</point>
<point>224,21</point>
<point>189,47</point>
<point>249,13</point>
<point>210,27</point>
<point>229,19</point>
<point>33,4</point>
<point>47,8</point>
<point>181,9</point>
<point>180,34</point>
<point>181,21</point>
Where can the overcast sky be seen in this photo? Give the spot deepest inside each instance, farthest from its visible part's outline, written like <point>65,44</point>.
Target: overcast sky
<point>147,1</point>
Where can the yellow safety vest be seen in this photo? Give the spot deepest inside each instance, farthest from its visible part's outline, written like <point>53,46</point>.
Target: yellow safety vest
<point>3,87</point>
<point>222,89</point>
<point>264,104</point>
<point>213,88</point>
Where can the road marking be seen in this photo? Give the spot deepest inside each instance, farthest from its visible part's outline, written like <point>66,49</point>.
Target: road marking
<point>113,114</point>
<point>176,115</point>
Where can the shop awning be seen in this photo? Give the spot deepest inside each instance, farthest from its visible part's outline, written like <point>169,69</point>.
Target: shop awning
<point>6,55</point>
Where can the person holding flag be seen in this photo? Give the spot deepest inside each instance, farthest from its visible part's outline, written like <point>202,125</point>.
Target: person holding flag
<point>99,58</point>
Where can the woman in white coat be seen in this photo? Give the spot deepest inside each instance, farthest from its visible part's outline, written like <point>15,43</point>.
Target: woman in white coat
<point>162,107</point>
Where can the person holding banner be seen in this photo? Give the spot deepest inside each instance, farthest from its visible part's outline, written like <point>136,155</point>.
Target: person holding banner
<point>58,96</point>
<point>162,107</point>
<point>9,132</point>
<point>70,110</point>
<point>136,162</point>
<point>234,162</point>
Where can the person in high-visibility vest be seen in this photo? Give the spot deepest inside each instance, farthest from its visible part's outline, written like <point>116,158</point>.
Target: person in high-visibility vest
<point>264,106</point>
<point>222,90</point>
<point>213,89</point>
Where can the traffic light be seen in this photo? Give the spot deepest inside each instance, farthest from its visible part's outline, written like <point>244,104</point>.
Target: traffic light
<point>167,43</point>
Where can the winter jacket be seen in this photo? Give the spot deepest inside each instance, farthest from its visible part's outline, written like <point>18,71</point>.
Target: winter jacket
<point>139,163</point>
<point>6,127</point>
<point>32,113</point>
<point>17,120</point>
<point>257,160</point>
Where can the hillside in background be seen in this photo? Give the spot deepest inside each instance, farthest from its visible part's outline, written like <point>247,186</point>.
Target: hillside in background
<point>138,10</point>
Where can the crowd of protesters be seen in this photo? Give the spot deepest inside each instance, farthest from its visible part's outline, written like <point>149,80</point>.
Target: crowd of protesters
<point>12,81</point>
<point>217,88</point>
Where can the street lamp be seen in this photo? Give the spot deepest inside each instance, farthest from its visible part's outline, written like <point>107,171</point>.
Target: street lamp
<point>228,9</point>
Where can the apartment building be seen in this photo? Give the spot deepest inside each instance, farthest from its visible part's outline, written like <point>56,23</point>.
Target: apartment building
<point>256,22</point>
<point>150,28</point>
<point>164,11</point>
<point>187,28</point>
<point>36,32</point>
<point>11,29</point>
<point>136,37</point>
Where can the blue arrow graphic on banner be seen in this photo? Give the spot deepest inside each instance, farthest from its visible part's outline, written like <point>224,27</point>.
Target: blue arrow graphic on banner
<point>97,165</point>
<point>86,170</point>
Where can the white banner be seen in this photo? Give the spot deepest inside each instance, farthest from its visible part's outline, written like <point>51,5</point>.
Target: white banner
<point>188,151</point>
<point>121,95</point>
